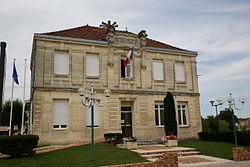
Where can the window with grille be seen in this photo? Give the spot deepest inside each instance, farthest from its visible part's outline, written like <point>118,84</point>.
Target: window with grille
<point>96,116</point>
<point>159,114</point>
<point>182,113</point>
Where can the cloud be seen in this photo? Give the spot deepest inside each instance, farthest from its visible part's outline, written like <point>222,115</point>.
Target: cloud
<point>218,30</point>
<point>235,70</point>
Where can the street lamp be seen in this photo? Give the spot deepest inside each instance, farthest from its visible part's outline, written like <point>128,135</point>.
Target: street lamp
<point>231,103</point>
<point>88,99</point>
<point>217,103</point>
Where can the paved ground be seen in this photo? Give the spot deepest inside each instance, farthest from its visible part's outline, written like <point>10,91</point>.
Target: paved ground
<point>218,164</point>
<point>201,160</point>
<point>58,147</point>
<point>194,160</point>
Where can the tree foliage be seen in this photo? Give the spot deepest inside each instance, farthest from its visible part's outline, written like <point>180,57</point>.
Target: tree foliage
<point>170,124</point>
<point>227,116</point>
<point>223,122</point>
<point>16,113</point>
<point>209,124</point>
<point>223,126</point>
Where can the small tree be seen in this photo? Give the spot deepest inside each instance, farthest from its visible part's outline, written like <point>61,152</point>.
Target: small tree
<point>227,116</point>
<point>16,113</point>
<point>209,124</point>
<point>223,126</point>
<point>170,124</point>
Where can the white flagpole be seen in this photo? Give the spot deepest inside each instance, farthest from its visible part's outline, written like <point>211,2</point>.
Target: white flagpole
<point>24,82</point>
<point>11,104</point>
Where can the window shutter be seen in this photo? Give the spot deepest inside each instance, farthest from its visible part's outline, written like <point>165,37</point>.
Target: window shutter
<point>60,112</point>
<point>122,69</point>
<point>61,63</point>
<point>158,70</point>
<point>96,116</point>
<point>92,65</point>
<point>179,71</point>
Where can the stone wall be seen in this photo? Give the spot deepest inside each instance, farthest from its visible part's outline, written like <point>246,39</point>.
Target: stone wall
<point>143,117</point>
<point>240,154</point>
<point>168,159</point>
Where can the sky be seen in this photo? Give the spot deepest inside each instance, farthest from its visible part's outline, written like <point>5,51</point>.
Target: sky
<point>219,30</point>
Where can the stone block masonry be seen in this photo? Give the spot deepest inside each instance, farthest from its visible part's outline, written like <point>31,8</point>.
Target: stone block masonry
<point>240,154</point>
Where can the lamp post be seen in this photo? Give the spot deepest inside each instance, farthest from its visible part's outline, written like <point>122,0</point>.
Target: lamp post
<point>232,106</point>
<point>88,99</point>
<point>216,103</point>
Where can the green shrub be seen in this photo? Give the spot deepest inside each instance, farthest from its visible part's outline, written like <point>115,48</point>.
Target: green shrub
<point>242,136</point>
<point>20,145</point>
<point>113,138</point>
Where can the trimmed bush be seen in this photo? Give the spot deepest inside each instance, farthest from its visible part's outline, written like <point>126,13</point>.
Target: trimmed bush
<point>20,145</point>
<point>242,136</point>
<point>113,138</point>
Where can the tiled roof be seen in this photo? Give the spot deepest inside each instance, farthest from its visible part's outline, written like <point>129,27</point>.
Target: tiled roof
<point>96,33</point>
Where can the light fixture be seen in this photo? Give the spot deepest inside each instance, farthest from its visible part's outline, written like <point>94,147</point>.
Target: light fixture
<point>88,99</point>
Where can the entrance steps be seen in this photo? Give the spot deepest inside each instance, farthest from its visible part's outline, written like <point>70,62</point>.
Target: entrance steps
<point>153,155</point>
<point>144,141</point>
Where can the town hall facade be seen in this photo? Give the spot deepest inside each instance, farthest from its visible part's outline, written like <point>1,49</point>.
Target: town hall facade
<point>64,61</point>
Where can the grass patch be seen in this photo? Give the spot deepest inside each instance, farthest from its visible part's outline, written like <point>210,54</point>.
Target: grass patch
<point>76,157</point>
<point>216,149</point>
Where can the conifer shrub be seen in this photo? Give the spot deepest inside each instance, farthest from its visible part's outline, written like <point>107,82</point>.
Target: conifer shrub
<point>170,124</point>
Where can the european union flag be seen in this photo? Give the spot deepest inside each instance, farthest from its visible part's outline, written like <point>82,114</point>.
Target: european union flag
<point>14,74</point>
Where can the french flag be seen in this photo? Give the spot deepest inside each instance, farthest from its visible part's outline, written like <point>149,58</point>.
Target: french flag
<point>129,57</point>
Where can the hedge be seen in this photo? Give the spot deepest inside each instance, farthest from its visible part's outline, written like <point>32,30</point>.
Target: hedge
<point>242,136</point>
<point>20,145</point>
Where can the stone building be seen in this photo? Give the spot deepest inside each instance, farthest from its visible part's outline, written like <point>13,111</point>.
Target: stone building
<point>64,61</point>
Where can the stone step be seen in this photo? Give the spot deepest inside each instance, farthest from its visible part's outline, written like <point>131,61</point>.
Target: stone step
<point>163,151</point>
<point>181,154</point>
<point>153,159</point>
<point>154,155</point>
<point>144,141</point>
<point>147,143</point>
<point>151,156</point>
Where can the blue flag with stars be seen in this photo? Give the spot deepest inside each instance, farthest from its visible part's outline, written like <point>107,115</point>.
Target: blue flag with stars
<point>14,75</point>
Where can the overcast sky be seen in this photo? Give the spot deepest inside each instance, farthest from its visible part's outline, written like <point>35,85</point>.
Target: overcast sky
<point>219,30</point>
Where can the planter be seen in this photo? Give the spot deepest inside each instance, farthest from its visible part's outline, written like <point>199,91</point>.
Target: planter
<point>171,143</point>
<point>131,145</point>
<point>122,145</point>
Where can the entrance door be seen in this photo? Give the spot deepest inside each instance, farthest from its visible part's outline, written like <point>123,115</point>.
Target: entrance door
<point>126,121</point>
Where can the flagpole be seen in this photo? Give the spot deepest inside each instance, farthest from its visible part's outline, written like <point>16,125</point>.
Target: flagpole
<point>11,104</point>
<point>24,84</point>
